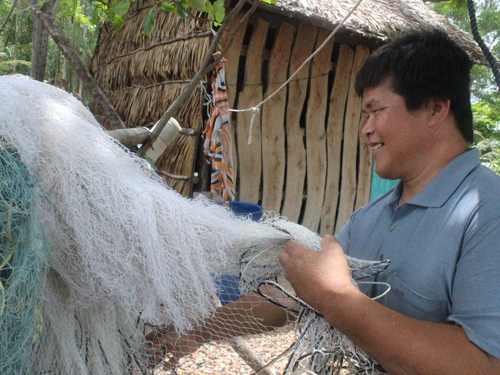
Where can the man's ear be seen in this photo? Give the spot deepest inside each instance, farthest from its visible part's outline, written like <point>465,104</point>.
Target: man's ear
<point>439,110</point>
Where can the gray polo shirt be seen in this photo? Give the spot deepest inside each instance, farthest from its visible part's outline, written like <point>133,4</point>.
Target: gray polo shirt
<point>444,247</point>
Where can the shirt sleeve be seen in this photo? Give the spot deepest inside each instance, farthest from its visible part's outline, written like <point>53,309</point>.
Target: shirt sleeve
<point>475,292</point>
<point>344,234</point>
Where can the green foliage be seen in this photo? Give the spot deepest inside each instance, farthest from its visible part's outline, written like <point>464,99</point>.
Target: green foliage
<point>6,66</point>
<point>488,21</point>
<point>485,93</point>
<point>486,120</point>
<point>149,22</point>
<point>9,51</point>
<point>489,150</point>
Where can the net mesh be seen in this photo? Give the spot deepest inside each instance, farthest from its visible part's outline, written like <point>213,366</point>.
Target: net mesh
<point>23,251</point>
<point>126,252</point>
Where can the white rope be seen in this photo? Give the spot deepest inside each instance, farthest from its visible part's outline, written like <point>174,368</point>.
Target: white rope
<point>377,283</point>
<point>255,109</point>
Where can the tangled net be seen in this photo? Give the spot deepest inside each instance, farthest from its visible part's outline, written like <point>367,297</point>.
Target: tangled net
<point>23,263</point>
<point>320,348</point>
<point>95,245</point>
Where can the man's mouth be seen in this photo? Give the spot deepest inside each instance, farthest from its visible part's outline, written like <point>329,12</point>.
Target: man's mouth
<point>377,146</point>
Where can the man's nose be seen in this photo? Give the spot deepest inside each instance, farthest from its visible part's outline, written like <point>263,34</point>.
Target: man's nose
<point>367,128</point>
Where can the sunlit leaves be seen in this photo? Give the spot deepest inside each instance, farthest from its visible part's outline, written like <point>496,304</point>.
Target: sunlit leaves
<point>461,4</point>
<point>6,66</point>
<point>168,7</point>
<point>489,151</point>
<point>219,11</point>
<point>116,11</point>
<point>120,6</point>
<point>181,8</point>
<point>197,4</point>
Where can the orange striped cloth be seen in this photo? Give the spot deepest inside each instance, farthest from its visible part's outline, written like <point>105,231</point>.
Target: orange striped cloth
<point>217,136</point>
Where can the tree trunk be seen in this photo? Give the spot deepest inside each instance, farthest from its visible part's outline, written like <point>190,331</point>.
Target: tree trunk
<point>64,77</point>
<point>57,81</point>
<point>16,40</point>
<point>40,41</point>
<point>69,52</point>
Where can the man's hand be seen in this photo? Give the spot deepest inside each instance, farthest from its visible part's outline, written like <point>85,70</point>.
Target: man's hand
<point>159,344</point>
<point>315,274</point>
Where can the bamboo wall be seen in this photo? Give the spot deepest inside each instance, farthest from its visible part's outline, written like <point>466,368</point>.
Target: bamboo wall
<point>307,159</point>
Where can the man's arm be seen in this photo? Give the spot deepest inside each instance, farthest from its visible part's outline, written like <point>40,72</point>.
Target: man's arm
<point>248,315</point>
<point>400,344</point>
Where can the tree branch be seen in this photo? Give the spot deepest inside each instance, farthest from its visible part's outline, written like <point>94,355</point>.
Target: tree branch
<point>206,67</point>
<point>66,48</point>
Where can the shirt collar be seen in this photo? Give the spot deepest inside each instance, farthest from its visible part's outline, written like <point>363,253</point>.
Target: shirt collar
<point>437,192</point>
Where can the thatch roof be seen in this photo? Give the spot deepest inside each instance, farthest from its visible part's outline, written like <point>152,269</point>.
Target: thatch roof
<point>378,20</point>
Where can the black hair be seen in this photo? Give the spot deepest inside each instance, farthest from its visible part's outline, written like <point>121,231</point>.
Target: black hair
<point>420,66</point>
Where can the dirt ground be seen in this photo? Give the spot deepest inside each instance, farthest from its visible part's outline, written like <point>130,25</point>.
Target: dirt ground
<point>220,358</point>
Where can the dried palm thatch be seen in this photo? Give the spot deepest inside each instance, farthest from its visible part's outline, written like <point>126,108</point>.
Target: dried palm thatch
<point>376,19</point>
<point>142,82</point>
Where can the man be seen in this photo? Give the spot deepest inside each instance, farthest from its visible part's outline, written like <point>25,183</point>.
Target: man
<point>440,226</point>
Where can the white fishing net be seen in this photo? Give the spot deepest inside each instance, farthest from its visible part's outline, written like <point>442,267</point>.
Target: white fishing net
<point>126,250</point>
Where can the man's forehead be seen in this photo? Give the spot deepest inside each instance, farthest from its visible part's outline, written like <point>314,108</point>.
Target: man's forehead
<point>371,97</point>
<point>377,95</point>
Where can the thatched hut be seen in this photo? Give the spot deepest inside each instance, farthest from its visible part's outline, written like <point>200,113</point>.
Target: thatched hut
<point>307,160</point>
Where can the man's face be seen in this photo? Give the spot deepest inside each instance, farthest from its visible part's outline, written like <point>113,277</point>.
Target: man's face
<point>396,135</point>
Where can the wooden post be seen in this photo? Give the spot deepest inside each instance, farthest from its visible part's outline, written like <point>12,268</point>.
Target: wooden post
<point>249,156</point>
<point>315,133</point>
<point>232,66</point>
<point>338,98</point>
<point>351,134</point>
<point>273,121</point>
<point>365,169</point>
<point>296,153</point>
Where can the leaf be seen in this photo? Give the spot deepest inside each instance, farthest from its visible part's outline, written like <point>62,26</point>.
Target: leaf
<point>197,4</point>
<point>209,8</point>
<point>96,16</point>
<point>168,7</point>
<point>118,22</point>
<point>219,11</point>
<point>74,4</point>
<point>149,21</point>
<point>121,6</point>
<point>270,1</point>
<point>458,4</point>
<point>181,5</point>
<point>110,15</point>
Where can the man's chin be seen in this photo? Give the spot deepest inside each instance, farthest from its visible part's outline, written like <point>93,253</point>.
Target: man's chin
<point>385,174</point>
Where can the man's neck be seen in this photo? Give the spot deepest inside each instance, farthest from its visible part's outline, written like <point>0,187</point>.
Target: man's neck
<point>436,163</point>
